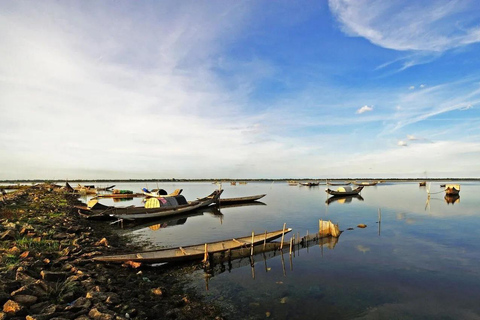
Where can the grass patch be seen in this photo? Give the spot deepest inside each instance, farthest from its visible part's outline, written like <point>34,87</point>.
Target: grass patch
<point>44,245</point>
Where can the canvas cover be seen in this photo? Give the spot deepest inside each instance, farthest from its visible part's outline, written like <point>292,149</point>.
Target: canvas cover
<point>344,189</point>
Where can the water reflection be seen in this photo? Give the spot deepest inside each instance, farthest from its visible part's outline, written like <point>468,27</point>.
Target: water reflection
<point>343,199</point>
<point>452,198</point>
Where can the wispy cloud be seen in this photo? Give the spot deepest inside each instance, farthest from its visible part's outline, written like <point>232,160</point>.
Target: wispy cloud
<point>424,26</point>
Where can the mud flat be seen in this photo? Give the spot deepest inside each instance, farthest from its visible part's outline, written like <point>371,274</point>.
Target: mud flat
<point>47,271</point>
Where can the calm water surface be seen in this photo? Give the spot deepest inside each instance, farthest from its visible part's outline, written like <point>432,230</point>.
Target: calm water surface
<point>421,261</point>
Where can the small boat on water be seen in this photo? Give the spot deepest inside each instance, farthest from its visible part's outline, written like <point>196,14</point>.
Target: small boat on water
<point>452,189</point>
<point>338,183</point>
<point>194,252</point>
<point>422,183</point>
<point>309,184</point>
<point>154,208</point>
<point>344,191</point>
<point>160,193</point>
<point>365,183</point>
<point>240,199</point>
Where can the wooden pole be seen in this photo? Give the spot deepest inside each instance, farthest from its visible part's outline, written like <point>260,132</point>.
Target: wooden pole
<point>251,247</point>
<point>283,236</point>
<point>205,257</point>
<point>265,240</point>
<point>291,244</point>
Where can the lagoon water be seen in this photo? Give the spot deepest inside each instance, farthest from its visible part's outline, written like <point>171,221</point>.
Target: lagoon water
<point>420,262</point>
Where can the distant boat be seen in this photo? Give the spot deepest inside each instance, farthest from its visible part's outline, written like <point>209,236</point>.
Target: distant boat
<point>194,252</point>
<point>452,189</point>
<point>422,184</point>
<point>292,183</point>
<point>344,191</point>
<point>365,183</point>
<point>338,183</point>
<point>309,184</point>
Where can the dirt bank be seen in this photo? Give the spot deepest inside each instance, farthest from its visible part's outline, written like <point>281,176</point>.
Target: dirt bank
<point>47,271</point>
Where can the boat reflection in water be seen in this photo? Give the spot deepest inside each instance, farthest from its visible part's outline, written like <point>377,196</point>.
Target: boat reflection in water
<point>452,198</point>
<point>238,258</point>
<point>180,219</point>
<point>343,199</point>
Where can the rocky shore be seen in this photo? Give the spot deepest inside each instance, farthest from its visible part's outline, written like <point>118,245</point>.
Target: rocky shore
<point>47,271</point>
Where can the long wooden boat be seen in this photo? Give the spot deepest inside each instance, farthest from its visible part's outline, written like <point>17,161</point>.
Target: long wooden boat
<point>344,191</point>
<point>365,183</point>
<point>194,252</point>
<point>422,183</point>
<point>338,183</point>
<point>133,212</point>
<point>452,189</point>
<point>223,201</point>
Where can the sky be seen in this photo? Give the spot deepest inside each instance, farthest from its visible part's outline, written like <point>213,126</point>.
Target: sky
<point>239,89</point>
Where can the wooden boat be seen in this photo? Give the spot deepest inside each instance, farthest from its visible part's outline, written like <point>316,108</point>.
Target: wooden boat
<point>223,201</point>
<point>85,189</point>
<point>452,189</point>
<point>365,183</point>
<point>292,183</point>
<point>422,184</point>
<point>194,252</point>
<point>161,193</point>
<point>344,191</point>
<point>338,183</point>
<point>149,212</point>
<point>309,184</point>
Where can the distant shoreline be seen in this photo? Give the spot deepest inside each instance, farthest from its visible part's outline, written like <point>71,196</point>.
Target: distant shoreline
<point>19,181</point>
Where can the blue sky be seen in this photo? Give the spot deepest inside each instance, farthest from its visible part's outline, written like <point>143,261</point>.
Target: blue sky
<point>239,89</point>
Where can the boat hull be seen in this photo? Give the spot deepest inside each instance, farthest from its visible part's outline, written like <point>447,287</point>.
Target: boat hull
<point>195,252</point>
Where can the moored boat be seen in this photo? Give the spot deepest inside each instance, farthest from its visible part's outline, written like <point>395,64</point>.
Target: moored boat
<point>194,252</point>
<point>223,201</point>
<point>452,189</point>
<point>365,183</point>
<point>151,210</point>
<point>344,191</point>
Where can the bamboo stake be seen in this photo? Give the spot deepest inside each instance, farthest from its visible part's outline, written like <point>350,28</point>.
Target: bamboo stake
<point>205,257</point>
<point>291,244</point>
<point>283,236</point>
<point>265,240</point>
<point>251,247</point>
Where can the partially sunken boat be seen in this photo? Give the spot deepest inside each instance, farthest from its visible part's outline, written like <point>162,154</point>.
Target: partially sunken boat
<point>194,252</point>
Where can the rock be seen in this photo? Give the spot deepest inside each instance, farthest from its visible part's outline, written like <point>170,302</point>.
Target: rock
<point>25,299</point>
<point>12,308</point>
<point>157,291</point>
<point>112,298</point>
<point>80,303</point>
<point>102,242</point>
<point>3,316</point>
<point>97,315</point>
<point>38,288</point>
<point>23,277</point>
<point>8,235</point>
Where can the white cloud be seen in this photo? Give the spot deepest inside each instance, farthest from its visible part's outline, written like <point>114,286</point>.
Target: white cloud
<point>411,137</point>
<point>364,109</point>
<point>402,143</point>
<point>423,26</point>
<point>411,88</point>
